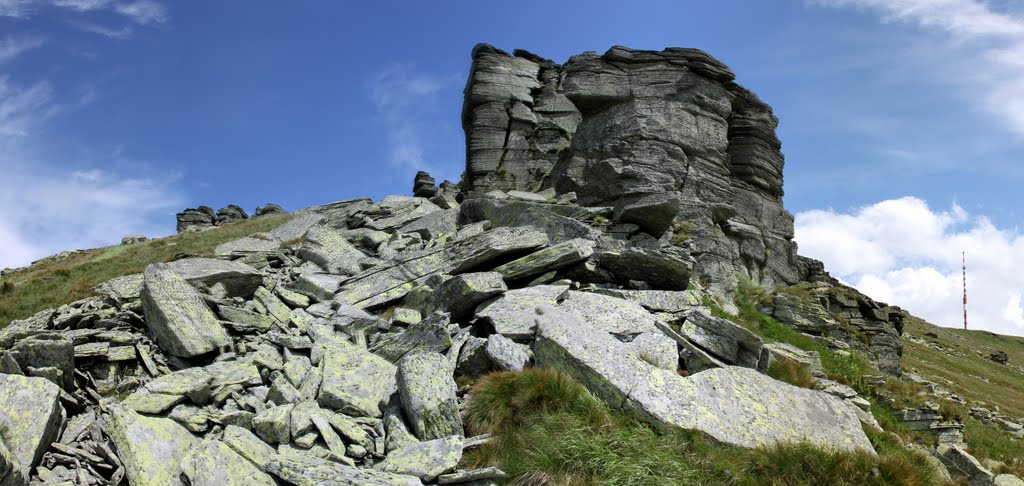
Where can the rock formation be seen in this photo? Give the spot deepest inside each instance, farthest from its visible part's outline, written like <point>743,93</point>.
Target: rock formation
<point>203,217</point>
<point>609,207</point>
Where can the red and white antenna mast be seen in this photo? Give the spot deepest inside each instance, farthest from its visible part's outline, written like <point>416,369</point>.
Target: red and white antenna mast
<point>965,289</point>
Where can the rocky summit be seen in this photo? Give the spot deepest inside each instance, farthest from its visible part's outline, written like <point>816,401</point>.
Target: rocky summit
<point>610,208</point>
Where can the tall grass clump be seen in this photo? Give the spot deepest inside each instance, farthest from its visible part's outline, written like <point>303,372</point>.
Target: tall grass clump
<point>549,430</point>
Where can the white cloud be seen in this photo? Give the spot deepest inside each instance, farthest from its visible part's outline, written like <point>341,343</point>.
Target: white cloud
<point>404,97</point>
<point>46,208</point>
<point>82,5</point>
<point>119,34</point>
<point>143,12</point>
<point>23,108</point>
<point>12,47</point>
<point>991,42</point>
<point>905,253</point>
<point>16,8</point>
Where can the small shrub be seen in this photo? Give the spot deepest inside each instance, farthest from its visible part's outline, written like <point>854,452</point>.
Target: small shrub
<point>791,372</point>
<point>6,287</point>
<point>600,220</point>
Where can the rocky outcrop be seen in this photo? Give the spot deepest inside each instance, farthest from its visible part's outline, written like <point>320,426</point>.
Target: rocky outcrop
<point>203,217</point>
<point>662,137</point>
<point>196,219</point>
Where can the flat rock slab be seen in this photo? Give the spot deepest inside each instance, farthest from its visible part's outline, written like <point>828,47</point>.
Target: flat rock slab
<point>512,314</point>
<point>151,448</point>
<point>735,405</point>
<point>669,301</point>
<point>609,314</point>
<point>428,390</point>
<point>457,295</point>
<point>356,380</point>
<point>177,315</point>
<point>296,227</point>
<point>311,471</point>
<point>331,251</point>
<point>30,420</point>
<point>425,460</point>
<point>213,463</point>
<point>237,279</point>
<point>506,354</point>
<point>548,259</point>
<point>397,278</point>
<point>726,340</point>
<point>248,244</point>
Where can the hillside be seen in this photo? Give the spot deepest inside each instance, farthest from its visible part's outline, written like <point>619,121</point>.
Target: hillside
<point>611,295</point>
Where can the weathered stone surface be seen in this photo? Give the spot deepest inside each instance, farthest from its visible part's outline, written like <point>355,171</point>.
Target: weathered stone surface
<point>177,316</point>
<point>659,268</point>
<point>735,405</point>
<point>311,471</point>
<point>506,354</point>
<point>1007,480</point>
<point>667,301</point>
<point>657,349</point>
<point>457,295</point>
<point>195,219</point>
<point>617,127</point>
<point>841,313</point>
<point>268,209</point>
<point>150,448</point>
<point>560,223</point>
<point>273,425</point>
<point>235,278</point>
<point>245,320</point>
<point>331,251</point>
<point>774,352</point>
<point>727,341</point>
<point>423,185</point>
<point>651,212</point>
<point>551,258</point>
<point>213,463</point>
<point>49,350</point>
<point>320,286</point>
<point>356,380</point>
<point>511,314</point>
<point>609,314</point>
<point>246,444</point>
<point>963,466</point>
<point>428,396</point>
<point>425,460</point>
<point>30,419</point>
<point>430,335</point>
<point>437,225</point>
<point>397,278</point>
<point>231,213</point>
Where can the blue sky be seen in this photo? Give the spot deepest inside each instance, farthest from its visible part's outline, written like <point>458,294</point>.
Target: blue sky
<point>902,119</point>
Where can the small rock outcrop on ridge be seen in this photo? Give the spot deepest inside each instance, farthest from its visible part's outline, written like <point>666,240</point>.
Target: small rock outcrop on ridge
<point>610,206</point>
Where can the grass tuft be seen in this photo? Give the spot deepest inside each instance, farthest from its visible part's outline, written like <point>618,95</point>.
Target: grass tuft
<point>990,442</point>
<point>55,282</point>
<point>549,430</point>
<point>792,372</point>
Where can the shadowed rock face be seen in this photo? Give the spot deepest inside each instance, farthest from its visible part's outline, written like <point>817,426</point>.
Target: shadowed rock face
<point>619,127</point>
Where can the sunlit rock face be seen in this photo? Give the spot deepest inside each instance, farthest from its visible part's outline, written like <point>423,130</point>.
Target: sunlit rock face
<point>624,127</point>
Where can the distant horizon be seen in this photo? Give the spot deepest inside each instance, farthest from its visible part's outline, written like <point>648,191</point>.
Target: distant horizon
<point>900,121</point>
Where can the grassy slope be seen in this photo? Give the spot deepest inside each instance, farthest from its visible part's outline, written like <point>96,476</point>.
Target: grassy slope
<point>963,368</point>
<point>55,282</point>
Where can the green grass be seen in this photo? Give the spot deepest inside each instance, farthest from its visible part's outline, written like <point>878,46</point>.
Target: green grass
<point>55,282</point>
<point>962,367</point>
<point>550,431</point>
<point>990,442</point>
<point>846,368</point>
<point>791,372</point>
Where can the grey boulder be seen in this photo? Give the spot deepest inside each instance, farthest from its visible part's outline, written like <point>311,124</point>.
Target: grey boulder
<point>30,420</point>
<point>427,389</point>
<point>177,316</point>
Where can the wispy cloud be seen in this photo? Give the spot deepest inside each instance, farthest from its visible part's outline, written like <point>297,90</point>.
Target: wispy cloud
<point>138,12</point>
<point>903,252</point>
<point>119,34</point>
<point>406,99</point>
<point>14,46</point>
<point>46,208</point>
<point>989,41</point>
<point>23,108</point>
